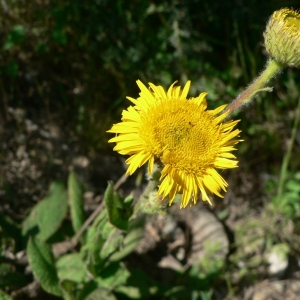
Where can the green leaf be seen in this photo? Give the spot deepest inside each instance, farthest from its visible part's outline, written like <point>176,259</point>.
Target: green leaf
<point>46,216</point>
<point>4,296</point>
<point>14,37</point>
<point>118,213</point>
<point>131,292</point>
<point>30,225</point>
<point>112,243</point>
<point>91,251</point>
<point>139,286</point>
<point>71,267</point>
<point>76,191</point>
<point>101,294</point>
<point>113,275</point>
<point>68,287</point>
<point>41,260</point>
<point>293,185</point>
<point>95,237</point>
<point>52,210</point>
<point>106,229</point>
<point>87,289</point>
<point>131,240</point>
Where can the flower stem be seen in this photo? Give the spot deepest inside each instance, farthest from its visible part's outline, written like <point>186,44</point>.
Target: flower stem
<point>287,157</point>
<point>258,85</point>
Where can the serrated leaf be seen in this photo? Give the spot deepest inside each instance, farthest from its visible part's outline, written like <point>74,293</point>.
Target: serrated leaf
<point>52,210</point>
<point>71,267</point>
<point>118,213</point>
<point>41,260</point>
<point>76,192</point>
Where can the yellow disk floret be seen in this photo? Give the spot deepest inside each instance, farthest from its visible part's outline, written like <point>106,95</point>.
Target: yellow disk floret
<point>188,141</point>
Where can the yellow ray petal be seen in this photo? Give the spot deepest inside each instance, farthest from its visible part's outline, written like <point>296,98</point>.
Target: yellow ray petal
<point>185,90</point>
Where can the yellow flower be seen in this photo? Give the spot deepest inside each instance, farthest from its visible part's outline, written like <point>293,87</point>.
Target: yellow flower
<point>179,134</point>
<point>282,37</point>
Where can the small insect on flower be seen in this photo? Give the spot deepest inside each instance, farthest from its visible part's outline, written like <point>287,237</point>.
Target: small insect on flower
<point>188,141</point>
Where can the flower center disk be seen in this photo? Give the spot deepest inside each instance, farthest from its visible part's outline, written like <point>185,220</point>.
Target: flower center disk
<point>181,134</point>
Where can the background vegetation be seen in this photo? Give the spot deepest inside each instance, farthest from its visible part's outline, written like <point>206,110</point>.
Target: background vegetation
<point>65,69</point>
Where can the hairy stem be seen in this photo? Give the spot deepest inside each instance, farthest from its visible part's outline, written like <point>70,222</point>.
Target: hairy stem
<point>258,85</point>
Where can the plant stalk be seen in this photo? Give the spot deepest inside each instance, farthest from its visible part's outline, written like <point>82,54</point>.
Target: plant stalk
<point>258,85</point>
<point>287,157</point>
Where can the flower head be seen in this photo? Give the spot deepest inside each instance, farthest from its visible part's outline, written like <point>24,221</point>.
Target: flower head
<point>282,37</point>
<point>188,141</point>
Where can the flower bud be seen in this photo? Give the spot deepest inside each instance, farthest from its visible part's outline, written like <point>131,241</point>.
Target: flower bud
<point>282,37</point>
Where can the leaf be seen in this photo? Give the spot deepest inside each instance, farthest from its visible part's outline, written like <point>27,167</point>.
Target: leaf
<point>52,210</point>
<point>67,288</point>
<point>118,213</point>
<point>15,36</point>
<point>94,237</point>
<point>71,267</point>
<point>41,260</point>
<point>293,186</point>
<point>30,225</point>
<point>46,216</point>
<point>113,275</point>
<point>76,191</point>
<point>87,289</point>
<point>131,240</point>
<point>112,243</point>
<point>101,294</point>
<point>91,251</point>
<point>138,286</point>
<point>4,296</point>
<point>131,292</point>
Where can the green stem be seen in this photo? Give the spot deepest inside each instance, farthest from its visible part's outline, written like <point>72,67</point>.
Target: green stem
<point>258,85</point>
<point>287,157</point>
